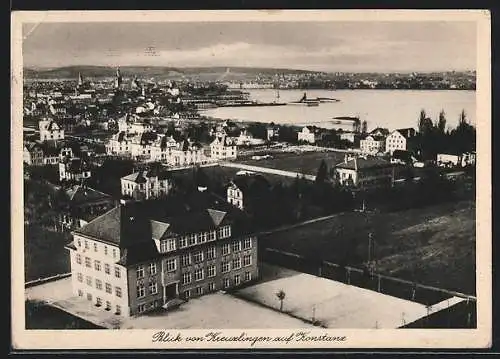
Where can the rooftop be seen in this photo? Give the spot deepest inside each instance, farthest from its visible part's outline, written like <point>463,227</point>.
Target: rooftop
<point>360,163</point>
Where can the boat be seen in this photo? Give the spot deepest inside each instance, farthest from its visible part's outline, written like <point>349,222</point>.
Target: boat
<point>327,99</point>
<point>250,104</point>
<point>304,101</point>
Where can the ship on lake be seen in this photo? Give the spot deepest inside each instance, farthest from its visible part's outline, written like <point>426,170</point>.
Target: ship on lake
<point>304,101</point>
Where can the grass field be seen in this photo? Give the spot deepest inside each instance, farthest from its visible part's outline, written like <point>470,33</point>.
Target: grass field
<point>433,245</point>
<point>307,162</point>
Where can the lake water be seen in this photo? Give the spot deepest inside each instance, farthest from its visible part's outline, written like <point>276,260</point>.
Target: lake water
<point>380,108</point>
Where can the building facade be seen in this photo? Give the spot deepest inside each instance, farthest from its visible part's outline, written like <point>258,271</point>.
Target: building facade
<point>372,144</point>
<point>398,140</point>
<point>146,184</point>
<point>223,148</point>
<point>50,131</point>
<point>308,134</point>
<point>73,169</point>
<point>364,173</point>
<point>128,263</point>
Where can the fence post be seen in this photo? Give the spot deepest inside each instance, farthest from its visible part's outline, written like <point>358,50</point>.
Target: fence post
<point>348,272</point>
<point>378,286</point>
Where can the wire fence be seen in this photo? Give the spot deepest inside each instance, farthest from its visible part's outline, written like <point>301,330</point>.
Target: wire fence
<point>463,315</point>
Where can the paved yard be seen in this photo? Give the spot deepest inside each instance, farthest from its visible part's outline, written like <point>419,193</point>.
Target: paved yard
<point>216,310</point>
<point>335,304</point>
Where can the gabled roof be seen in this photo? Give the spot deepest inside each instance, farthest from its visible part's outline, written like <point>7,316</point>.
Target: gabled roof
<point>251,183</point>
<point>137,177</point>
<point>158,229</point>
<point>82,194</point>
<point>360,163</point>
<point>406,132</point>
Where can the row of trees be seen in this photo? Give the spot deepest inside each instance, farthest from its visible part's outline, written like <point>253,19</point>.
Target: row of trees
<point>435,137</point>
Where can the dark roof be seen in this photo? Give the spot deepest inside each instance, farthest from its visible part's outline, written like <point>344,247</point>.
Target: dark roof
<point>133,225</point>
<point>360,163</point>
<point>382,130</point>
<point>406,132</point>
<point>82,194</point>
<point>251,183</point>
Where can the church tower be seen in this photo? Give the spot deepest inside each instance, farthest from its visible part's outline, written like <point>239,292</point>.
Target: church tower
<point>118,79</point>
<point>80,80</point>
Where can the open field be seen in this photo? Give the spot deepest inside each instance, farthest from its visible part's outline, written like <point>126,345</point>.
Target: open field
<point>334,304</point>
<point>215,310</point>
<point>434,245</point>
<point>307,162</point>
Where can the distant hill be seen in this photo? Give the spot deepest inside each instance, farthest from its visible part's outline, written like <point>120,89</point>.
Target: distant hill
<point>150,71</point>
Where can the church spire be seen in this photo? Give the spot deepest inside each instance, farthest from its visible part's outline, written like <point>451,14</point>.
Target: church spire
<point>118,79</point>
<point>80,79</point>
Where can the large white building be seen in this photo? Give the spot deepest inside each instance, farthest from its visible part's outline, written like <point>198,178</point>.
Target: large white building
<point>50,131</point>
<point>308,134</point>
<point>73,169</point>
<point>398,140</point>
<point>223,148</point>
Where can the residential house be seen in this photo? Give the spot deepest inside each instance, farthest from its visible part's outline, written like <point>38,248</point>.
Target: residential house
<point>50,131</point>
<point>272,133</point>
<point>84,205</point>
<point>149,184</point>
<point>247,189</point>
<point>364,172</point>
<point>33,154</point>
<point>348,136</point>
<point>380,131</point>
<point>223,148</point>
<point>398,140</point>
<point>140,256</point>
<point>309,134</point>
<point>372,144</point>
<point>74,169</point>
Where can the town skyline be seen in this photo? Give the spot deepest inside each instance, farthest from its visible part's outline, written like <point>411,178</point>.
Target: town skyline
<point>310,46</point>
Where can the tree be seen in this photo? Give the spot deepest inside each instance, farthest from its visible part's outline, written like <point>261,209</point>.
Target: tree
<point>281,297</point>
<point>322,174</point>
<point>421,121</point>
<point>442,122</point>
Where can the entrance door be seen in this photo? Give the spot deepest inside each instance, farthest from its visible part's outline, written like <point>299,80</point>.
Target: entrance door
<point>170,292</point>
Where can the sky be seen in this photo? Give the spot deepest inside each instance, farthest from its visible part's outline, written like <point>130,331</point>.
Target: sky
<point>318,46</point>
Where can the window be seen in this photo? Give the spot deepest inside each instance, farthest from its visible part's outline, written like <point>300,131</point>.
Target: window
<point>171,265</point>
<point>186,278</point>
<point>79,242</point>
<point>80,293</point>
<point>198,257</point>
<point>192,239</point>
<point>182,242</point>
<point>198,290</point>
<point>108,305</point>
<point>95,247</point>
<point>141,308</point>
<point>226,231</point>
<point>153,288</point>
<point>141,291</point>
<point>117,272</point>
<point>237,263</point>
<point>211,253</point>
<point>118,310</point>
<point>86,245</point>
<point>211,286</point>
<point>98,284</point>
<point>226,283</point>
<point>212,236</point>
<point>248,276</point>
<point>211,271</point>
<point>237,279</point>
<point>89,296</point>
<point>114,253</point>
<point>225,249</point>
<point>198,274</point>
<point>80,277</point>
<point>152,268</point>
<point>237,246</point>
<point>78,259</point>
<point>107,269</point>
<point>106,250</point>
<point>226,267</point>
<point>88,280</point>
<point>108,288</point>
<point>118,292</point>
<point>140,272</point>
<point>88,262</point>
<point>167,245</point>
<point>98,301</point>
<point>185,260</point>
<point>97,265</point>
<point>187,294</point>
<point>247,260</point>
<point>247,243</point>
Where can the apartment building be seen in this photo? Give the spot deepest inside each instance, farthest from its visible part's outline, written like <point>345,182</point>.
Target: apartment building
<point>136,258</point>
<point>50,130</point>
<point>372,144</point>
<point>223,148</point>
<point>73,169</point>
<point>399,140</point>
<point>140,185</point>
